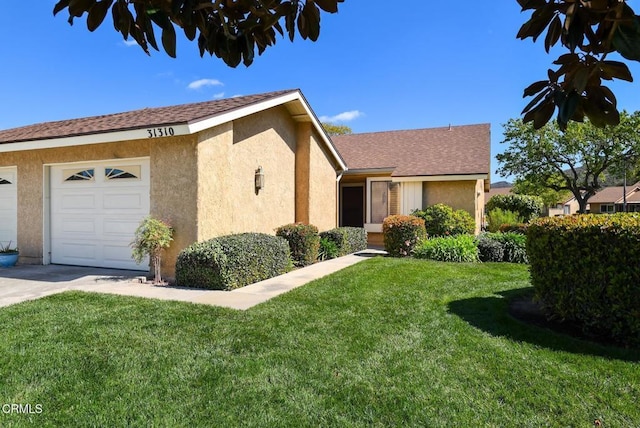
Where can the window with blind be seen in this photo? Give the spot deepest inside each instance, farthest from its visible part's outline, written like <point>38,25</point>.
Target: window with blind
<point>385,200</point>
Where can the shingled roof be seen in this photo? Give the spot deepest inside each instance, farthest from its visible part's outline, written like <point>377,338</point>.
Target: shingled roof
<point>614,194</point>
<point>144,118</point>
<point>451,150</point>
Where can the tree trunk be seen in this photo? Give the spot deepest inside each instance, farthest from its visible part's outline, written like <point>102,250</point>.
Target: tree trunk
<point>156,262</point>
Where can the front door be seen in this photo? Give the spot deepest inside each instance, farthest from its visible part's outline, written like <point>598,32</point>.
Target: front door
<point>352,206</point>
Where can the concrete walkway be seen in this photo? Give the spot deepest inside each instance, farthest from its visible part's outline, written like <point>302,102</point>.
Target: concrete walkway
<point>28,282</point>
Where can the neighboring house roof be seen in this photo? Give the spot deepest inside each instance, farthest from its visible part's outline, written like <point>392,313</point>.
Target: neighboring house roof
<point>614,194</point>
<point>496,191</point>
<point>185,119</point>
<point>455,150</point>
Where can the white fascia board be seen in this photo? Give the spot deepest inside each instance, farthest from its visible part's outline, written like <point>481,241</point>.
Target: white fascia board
<point>98,138</point>
<point>441,178</point>
<point>264,105</point>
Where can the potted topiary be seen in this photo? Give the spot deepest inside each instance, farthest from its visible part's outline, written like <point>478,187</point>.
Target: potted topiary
<point>8,255</point>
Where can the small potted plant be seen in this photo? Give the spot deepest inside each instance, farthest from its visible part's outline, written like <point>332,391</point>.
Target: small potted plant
<point>8,255</point>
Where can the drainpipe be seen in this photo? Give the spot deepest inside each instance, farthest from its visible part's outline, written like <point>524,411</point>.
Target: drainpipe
<point>338,178</point>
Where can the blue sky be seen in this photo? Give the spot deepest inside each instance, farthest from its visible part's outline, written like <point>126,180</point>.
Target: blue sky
<point>373,69</point>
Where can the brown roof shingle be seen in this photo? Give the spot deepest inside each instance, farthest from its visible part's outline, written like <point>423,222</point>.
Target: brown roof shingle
<point>455,150</point>
<point>614,194</point>
<point>147,117</point>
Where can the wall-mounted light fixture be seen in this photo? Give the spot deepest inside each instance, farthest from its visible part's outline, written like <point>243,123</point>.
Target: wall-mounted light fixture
<point>259,179</point>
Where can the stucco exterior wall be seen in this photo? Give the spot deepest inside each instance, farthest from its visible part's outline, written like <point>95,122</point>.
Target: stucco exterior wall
<point>323,197</point>
<point>30,165</point>
<point>227,161</point>
<point>457,194</point>
<point>174,192</point>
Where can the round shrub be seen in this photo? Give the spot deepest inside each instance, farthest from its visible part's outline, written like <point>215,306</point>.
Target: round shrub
<point>401,233</point>
<point>460,248</point>
<point>304,242</point>
<point>498,218</point>
<point>489,248</point>
<point>527,207</point>
<point>585,269</point>
<point>232,261</point>
<point>442,220</point>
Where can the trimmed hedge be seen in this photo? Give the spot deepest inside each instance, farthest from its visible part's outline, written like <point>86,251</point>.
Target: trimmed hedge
<point>459,248</point>
<point>442,220</point>
<point>347,239</point>
<point>304,242</point>
<point>513,247</point>
<point>232,261</point>
<point>401,233</point>
<point>586,269</point>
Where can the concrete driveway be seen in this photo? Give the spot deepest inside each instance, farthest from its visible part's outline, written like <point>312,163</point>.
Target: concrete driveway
<point>28,282</point>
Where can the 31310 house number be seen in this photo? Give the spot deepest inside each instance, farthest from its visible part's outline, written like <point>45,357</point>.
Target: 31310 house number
<point>161,132</point>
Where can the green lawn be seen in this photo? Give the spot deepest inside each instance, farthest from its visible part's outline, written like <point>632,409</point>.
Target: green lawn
<point>384,343</point>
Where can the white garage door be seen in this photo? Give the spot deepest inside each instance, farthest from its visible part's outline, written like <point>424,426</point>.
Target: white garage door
<point>8,206</point>
<point>95,210</point>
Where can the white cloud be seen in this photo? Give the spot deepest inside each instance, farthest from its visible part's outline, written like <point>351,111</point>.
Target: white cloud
<point>131,42</point>
<point>346,116</point>
<point>198,84</point>
<point>218,95</point>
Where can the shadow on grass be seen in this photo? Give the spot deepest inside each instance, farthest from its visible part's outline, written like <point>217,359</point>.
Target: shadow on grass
<point>491,314</point>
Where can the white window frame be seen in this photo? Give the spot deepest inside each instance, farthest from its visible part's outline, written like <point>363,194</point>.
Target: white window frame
<point>376,227</point>
<point>607,208</point>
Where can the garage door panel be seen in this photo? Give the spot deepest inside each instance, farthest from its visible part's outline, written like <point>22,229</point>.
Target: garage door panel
<point>8,206</point>
<point>93,221</point>
<point>78,202</point>
<point>123,201</point>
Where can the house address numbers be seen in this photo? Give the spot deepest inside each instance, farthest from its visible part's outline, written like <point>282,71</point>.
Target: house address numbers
<point>166,131</point>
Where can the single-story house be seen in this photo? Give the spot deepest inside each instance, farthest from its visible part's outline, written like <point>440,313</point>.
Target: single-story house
<point>74,191</point>
<point>611,199</point>
<point>396,172</point>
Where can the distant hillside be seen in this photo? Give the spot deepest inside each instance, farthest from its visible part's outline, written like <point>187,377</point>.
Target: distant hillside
<point>500,185</point>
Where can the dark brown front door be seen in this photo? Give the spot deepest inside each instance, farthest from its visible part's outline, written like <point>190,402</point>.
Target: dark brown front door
<point>352,209</point>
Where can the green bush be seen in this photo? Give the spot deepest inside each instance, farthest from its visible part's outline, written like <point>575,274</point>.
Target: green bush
<point>304,242</point>
<point>489,248</point>
<point>328,249</point>
<point>401,233</point>
<point>527,207</point>
<point>347,239</point>
<point>511,245</point>
<point>520,228</point>
<point>460,248</point>
<point>232,261</point>
<point>498,218</point>
<point>515,247</point>
<point>442,220</point>
<point>356,238</point>
<point>585,269</point>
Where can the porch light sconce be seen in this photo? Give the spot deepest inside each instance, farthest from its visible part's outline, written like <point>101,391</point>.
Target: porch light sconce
<point>259,179</point>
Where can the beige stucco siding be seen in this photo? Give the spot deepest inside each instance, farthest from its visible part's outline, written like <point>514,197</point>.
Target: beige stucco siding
<point>457,194</point>
<point>227,161</point>
<point>322,187</point>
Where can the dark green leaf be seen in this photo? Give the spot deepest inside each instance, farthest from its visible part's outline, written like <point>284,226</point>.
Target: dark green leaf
<point>536,87</point>
<point>312,20</point>
<point>567,109</point>
<point>543,114</point>
<point>78,7</point>
<point>615,69</point>
<point>59,6</point>
<point>330,6</point>
<point>626,40</point>
<point>97,14</point>
<point>169,40</point>
<point>553,34</point>
<point>535,100</point>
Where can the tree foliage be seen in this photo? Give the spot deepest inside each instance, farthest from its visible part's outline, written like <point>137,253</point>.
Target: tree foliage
<point>574,160</point>
<point>525,206</point>
<point>549,196</point>
<point>333,129</point>
<point>151,237</point>
<point>230,30</point>
<point>590,31</point>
